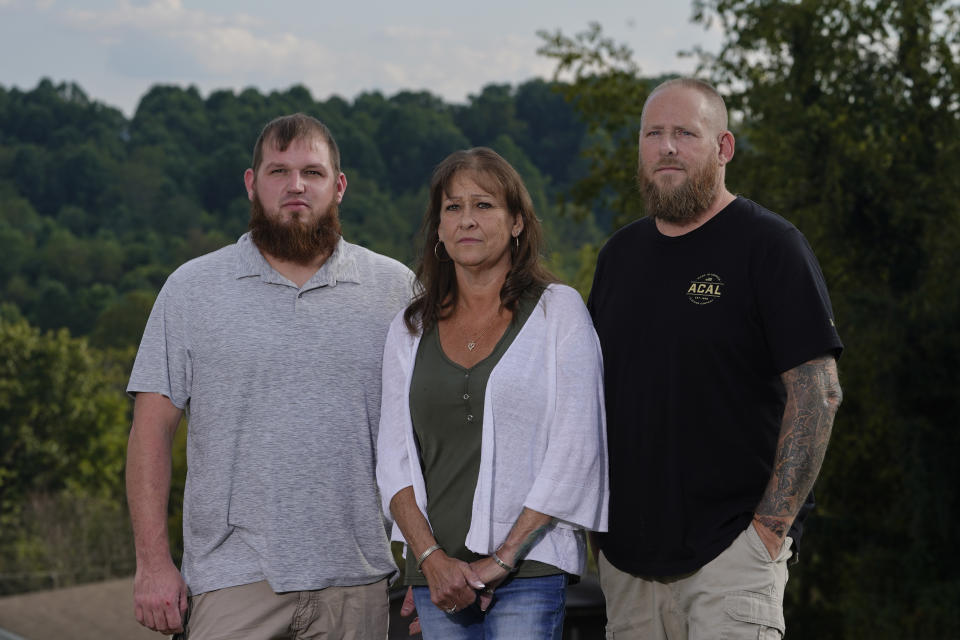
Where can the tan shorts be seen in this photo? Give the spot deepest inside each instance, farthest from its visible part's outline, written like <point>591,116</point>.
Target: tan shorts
<point>739,594</point>
<point>254,611</point>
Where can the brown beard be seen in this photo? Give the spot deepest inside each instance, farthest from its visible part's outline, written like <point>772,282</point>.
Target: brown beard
<point>683,204</point>
<point>296,241</point>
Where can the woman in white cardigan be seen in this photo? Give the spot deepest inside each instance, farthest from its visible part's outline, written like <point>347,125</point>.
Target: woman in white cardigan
<point>491,454</point>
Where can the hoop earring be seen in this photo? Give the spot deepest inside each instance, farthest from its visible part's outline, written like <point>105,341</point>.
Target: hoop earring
<point>436,252</point>
<point>516,243</point>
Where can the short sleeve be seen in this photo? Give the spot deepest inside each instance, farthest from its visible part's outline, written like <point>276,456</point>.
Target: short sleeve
<point>163,362</point>
<point>794,304</point>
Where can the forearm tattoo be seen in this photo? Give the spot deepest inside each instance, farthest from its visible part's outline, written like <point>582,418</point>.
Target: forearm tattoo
<point>531,541</point>
<point>813,395</point>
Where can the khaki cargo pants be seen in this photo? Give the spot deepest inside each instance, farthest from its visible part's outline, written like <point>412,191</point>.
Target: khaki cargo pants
<point>739,594</point>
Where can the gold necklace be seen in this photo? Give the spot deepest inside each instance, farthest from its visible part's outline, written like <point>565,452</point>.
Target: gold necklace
<point>473,341</point>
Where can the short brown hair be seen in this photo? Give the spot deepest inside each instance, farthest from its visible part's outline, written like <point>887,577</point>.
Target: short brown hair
<point>437,279</point>
<point>298,126</point>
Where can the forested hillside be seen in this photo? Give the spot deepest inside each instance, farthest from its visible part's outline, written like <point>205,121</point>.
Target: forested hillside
<point>95,209</point>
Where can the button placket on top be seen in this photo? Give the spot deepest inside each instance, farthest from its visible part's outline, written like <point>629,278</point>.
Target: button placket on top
<point>467,405</point>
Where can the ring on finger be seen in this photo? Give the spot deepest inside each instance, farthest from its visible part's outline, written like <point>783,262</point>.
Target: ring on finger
<point>452,609</point>
<point>488,591</point>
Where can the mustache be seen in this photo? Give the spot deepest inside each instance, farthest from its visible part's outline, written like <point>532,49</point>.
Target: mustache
<point>669,164</point>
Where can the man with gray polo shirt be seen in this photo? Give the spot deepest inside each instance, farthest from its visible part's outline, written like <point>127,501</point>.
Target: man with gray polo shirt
<point>272,346</point>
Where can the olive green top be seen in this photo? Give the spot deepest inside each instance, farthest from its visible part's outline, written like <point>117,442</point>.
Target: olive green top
<point>446,407</point>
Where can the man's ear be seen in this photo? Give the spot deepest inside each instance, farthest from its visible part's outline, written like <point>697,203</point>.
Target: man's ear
<point>248,179</point>
<point>341,187</point>
<point>727,146</point>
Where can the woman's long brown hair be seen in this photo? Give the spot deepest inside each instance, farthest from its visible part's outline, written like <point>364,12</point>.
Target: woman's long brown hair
<point>437,280</point>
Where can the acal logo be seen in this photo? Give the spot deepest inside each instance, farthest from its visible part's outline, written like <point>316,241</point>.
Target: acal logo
<point>705,289</point>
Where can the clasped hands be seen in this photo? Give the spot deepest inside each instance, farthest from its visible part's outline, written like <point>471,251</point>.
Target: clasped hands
<point>455,584</point>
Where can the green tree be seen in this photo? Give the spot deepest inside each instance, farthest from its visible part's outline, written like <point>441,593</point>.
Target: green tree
<point>121,323</point>
<point>376,219</point>
<point>490,114</point>
<point>30,173</point>
<point>414,136</point>
<point>63,415</point>
<point>54,116</point>
<point>554,132</point>
<point>608,93</point>
<point>63,427</point>
<point>63,422</point>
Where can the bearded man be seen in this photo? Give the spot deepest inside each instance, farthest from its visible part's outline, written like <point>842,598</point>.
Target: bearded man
<point>273,347</point>
<point>720,351</point>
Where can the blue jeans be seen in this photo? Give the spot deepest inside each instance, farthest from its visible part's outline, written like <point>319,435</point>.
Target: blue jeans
<point>522,609</point>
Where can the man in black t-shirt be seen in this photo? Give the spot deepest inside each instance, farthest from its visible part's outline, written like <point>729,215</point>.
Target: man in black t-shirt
<point>720,353</point>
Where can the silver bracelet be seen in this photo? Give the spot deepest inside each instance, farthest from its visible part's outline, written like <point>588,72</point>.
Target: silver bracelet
<point>503,565</point>
<point>426,554</point>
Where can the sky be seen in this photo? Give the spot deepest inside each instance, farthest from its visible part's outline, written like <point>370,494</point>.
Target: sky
<point>117,49</point>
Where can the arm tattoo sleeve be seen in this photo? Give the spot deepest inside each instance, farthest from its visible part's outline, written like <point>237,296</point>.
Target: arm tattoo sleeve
<point>813,396</point>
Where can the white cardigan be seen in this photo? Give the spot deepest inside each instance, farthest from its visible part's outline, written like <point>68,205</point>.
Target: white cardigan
<point>543,444</point>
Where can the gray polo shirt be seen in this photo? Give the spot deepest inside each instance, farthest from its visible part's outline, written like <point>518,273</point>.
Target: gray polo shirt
<point>281,386</point>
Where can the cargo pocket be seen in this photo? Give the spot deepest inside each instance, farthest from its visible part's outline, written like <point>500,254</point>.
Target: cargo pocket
<point>764,613</point>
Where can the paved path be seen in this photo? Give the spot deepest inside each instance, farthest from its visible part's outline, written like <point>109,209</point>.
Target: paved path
<point>100,611</point>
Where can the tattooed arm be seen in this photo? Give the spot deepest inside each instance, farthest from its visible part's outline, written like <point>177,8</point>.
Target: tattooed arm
<point>813,396</point>
<point>527,531</point>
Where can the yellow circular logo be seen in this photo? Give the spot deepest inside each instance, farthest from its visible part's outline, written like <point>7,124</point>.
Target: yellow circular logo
<point>705,289</point>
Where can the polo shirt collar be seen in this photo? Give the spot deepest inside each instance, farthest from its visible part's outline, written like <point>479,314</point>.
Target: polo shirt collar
<point>341,266</point>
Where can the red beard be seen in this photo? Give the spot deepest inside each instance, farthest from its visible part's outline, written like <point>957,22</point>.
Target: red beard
<point>684,203</point>
<point>295,241</point>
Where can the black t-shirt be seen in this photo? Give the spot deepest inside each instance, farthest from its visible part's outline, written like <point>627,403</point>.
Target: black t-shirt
<point>695,331</point>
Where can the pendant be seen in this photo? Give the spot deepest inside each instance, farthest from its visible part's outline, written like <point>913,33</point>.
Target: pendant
<point>471,346</point>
